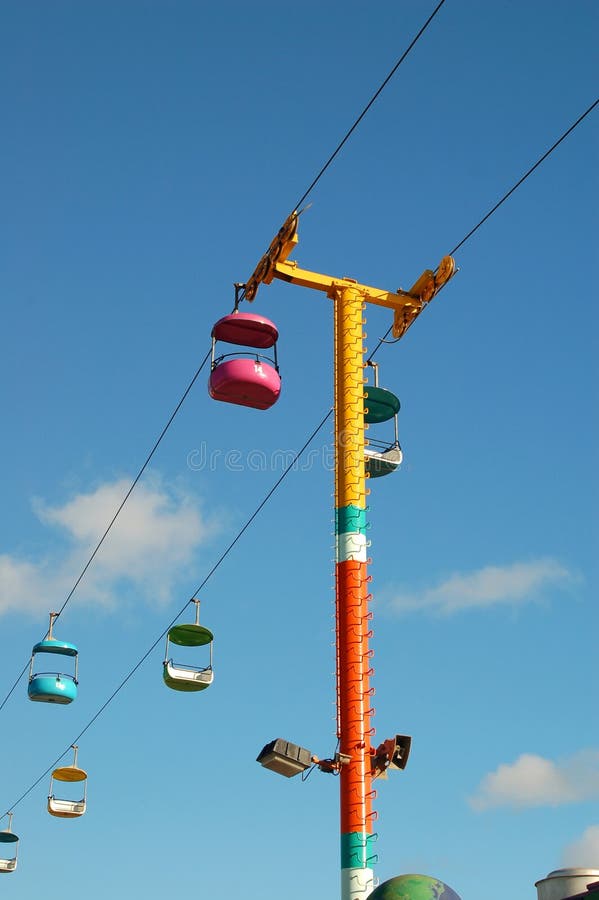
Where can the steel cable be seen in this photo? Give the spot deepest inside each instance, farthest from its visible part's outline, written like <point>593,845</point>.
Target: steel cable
<point>160,637</point>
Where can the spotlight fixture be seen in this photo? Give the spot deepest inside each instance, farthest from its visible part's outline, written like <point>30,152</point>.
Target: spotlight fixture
<point>284,758</point>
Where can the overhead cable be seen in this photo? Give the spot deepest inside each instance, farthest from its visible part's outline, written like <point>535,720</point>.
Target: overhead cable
<point>160,637</point>
<point>117,513</point>
<point>368,105</point>
<point>541,159</point>
<point>525,176</point>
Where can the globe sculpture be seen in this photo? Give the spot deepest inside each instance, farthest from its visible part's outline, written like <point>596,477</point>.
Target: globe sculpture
<point>413,887</point>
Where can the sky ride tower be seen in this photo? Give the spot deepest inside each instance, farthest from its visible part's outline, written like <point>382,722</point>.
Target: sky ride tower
<point>357,761</point>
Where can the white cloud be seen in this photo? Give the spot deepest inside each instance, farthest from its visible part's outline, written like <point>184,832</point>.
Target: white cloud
<point>584,852</point>
<point>535,781</point>
<point>23,585</point>
<point>149,546</point>
<point>490,586</point>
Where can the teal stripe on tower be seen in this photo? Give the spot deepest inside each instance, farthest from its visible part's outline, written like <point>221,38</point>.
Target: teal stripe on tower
<point>357,851</point>
<point>350,532</point>
<point>350,518</point>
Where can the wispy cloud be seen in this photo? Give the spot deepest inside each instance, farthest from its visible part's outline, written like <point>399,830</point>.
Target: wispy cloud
<point>517,583</point>
<point>149,547</point>
<point>535,781</point>
<point>585,851</point>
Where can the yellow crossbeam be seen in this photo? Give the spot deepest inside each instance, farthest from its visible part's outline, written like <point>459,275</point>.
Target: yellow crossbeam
<point>406,305</point>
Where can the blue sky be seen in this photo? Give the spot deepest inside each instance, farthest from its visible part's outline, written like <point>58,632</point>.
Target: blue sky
<point>150,151</point>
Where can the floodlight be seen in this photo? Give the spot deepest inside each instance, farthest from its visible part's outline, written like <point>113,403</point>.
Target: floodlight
<point>285,758</point>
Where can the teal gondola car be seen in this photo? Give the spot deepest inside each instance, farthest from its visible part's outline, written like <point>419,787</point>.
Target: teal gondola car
<point>380,405</point>
<point>8,864</point>
<point>53,687</point>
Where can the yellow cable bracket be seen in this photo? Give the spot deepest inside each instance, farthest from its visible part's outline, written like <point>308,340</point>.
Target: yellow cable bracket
<point>406,305</point>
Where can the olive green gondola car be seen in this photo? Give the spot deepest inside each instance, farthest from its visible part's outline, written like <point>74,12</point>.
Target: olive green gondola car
<point>188,678</point>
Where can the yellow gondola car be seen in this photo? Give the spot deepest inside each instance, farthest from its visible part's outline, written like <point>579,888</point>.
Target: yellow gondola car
<point>62,808</point>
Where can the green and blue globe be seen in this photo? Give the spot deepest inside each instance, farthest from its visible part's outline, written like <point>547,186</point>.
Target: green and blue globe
<point>413,887</point>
